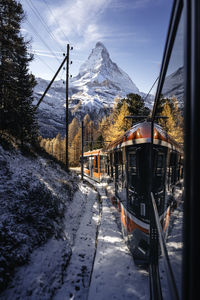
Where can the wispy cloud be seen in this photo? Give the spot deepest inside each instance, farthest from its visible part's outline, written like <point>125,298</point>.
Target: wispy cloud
<point>24,30</point>
<point>78,20</point>
<point>134,4</point>
<point>46,53</point>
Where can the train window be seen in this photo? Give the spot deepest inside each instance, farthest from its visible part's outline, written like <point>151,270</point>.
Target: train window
<point>173,158</point>
<point>111,165</point>
<point>173,167</point>
<point>132,162</point>
<point>86,162</point>
<point>118,158</point>
<point>96,164</point>
<point>132,168</point>
<point>160,163</point>
<point>102,164</point>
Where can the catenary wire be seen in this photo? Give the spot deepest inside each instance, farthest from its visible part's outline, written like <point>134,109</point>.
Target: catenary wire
<point>56,20</point>
<point>42,40</point>
<point>38,15</point>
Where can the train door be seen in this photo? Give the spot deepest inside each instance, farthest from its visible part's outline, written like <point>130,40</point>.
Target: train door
<point>111,164</point>
<point>132,177</point>
<point>159,176</point>
<point>118,161</point>
<point>138,180</point>
<point>91,165</point>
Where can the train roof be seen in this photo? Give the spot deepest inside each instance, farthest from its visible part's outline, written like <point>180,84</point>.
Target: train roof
<point>94,152</point>
<point>141,133</point>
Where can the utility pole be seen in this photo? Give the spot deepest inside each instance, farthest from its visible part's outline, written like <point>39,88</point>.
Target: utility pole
<point>67,110</point>
<point>67,95</point>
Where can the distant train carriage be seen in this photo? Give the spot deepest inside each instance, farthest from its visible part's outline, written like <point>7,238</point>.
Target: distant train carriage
<point>94,163</point>
<point>129,161</point>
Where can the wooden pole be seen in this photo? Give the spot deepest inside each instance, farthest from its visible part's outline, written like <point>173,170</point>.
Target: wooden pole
<point>66,115</point>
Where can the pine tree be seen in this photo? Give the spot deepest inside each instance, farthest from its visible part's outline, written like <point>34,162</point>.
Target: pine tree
<point>16,84</point>
<point>136,106</point>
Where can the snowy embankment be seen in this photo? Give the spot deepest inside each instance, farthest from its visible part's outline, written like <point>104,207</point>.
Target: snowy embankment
<point>58,241</point>
<point>34,193</point>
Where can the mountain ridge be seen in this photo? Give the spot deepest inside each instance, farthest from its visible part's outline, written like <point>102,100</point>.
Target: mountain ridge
<point>92,92</point>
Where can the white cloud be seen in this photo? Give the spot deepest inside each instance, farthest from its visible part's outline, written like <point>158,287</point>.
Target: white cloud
<point>46,53</point>
<point>24,30</point>
<point>78,20</point>
<point>133,4</point>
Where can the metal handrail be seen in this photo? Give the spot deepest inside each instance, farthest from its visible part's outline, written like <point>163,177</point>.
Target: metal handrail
<point>170,275</point>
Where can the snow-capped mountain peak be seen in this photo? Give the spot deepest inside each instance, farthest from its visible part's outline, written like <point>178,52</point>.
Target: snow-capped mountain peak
<point>96,59</point>
<point>99,81</point>
<point>92,91</point>
<point>99,68</point>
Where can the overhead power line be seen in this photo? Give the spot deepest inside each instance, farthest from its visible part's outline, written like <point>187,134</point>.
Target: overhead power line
<point>44,62</point>
<point>52,14</point>
<point>42,40</point>
<point>151,88</point>
<point>38,15</point>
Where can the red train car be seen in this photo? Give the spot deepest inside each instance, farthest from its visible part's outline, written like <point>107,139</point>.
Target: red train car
<point>94,164</point>
<point>129,166</point>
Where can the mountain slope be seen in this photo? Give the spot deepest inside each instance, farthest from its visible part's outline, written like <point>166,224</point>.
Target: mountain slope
<point>173,86</point>
<point>99,81</point>
<point>91,92</point>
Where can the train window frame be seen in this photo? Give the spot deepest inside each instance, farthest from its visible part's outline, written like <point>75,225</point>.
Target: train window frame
<point>135,174</point>
<point>95,163</point>
<point>162,174</point>
<point>159,154</point>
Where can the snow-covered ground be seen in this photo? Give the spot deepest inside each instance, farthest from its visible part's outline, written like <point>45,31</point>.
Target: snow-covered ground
<point>82,256</point>
<point>115,276</point>
<point>61,268</point>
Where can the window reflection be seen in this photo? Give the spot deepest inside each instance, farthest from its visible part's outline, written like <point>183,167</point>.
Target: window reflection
<point>170,107</point>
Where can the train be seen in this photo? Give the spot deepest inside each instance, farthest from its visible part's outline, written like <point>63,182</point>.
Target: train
<point>126,163</point>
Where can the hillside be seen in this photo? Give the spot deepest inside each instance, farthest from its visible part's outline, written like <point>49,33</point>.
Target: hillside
<point>34,194</point>
<point>174,86</point>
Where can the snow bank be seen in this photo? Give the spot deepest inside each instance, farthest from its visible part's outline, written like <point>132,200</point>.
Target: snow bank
<point>34,193</point>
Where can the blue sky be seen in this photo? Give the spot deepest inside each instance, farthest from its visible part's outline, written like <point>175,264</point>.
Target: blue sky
<point>133,31</point>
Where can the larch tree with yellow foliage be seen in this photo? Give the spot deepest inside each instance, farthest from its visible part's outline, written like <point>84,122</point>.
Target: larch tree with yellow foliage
<point>116,124</point>
<point>173,123</point>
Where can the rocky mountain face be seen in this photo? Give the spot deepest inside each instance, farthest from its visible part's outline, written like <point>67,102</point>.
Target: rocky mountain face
<point>51,112</point>
<point>92,91</point>
<point>173,86</point>
<point>99,81</point>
